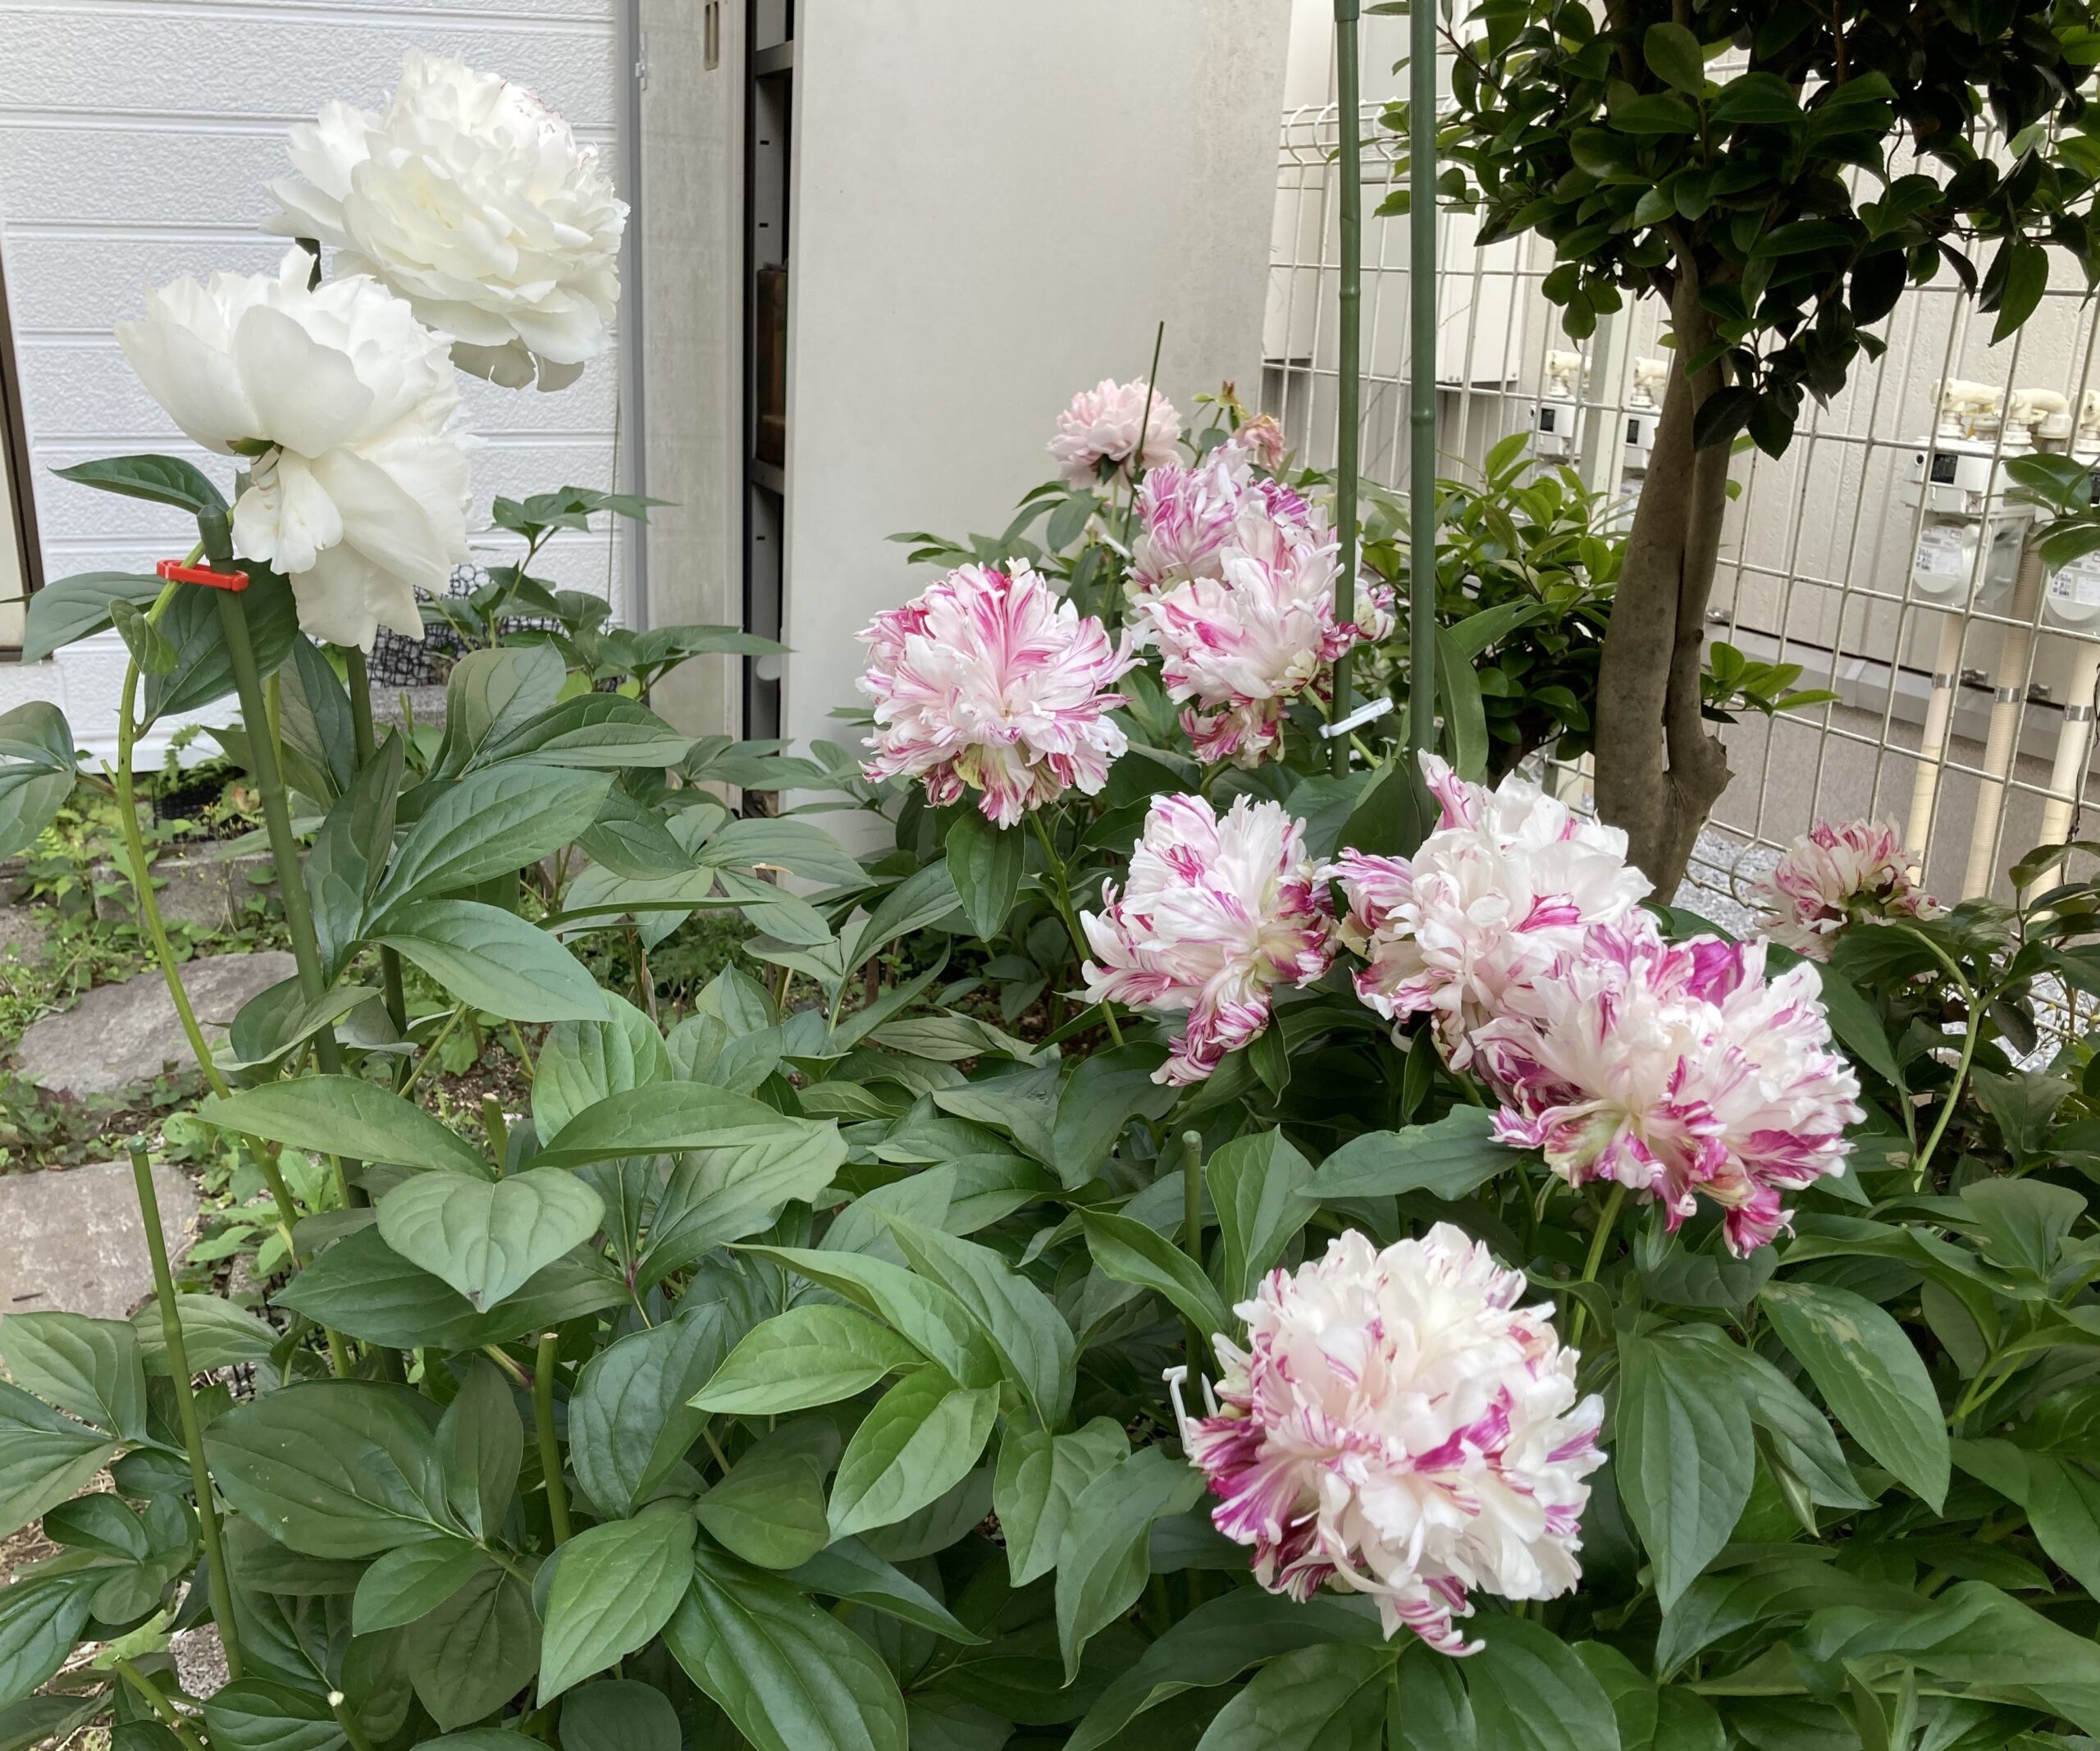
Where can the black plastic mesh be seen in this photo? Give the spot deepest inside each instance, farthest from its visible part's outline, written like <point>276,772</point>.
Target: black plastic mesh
<point>396,662</point>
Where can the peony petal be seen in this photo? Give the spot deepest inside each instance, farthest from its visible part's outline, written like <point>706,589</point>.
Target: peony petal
<point>306,395</point>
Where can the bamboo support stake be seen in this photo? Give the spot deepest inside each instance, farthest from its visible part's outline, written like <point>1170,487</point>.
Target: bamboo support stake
<point>185,1407</point>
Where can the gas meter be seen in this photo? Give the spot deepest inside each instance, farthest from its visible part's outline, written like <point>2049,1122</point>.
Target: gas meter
<point>2072,596</point>
<point>1958,483</point>
<point>1557,420</point>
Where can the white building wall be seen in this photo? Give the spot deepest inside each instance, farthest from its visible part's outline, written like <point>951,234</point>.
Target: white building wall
<point>135,139</point>
<point>993,207</point>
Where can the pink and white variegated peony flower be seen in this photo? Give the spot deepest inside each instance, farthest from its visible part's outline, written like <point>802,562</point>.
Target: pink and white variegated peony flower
<point>1678,1070</point>
<point>1855,872</point>
<point>989,680</point>
<point>1191,518</point>
<point>1236,649</point>
<point>1510,880</point>
<point>1104,424</point>
<point>1217,913</point>
<point>1398,1425</point>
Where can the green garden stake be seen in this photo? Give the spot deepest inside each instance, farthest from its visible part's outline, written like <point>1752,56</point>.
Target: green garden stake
<point>186,1405</point>
<point>1192,1236</point>
<point>543,1420</point>
<point>1350,361</point>
<point>1422,377</point>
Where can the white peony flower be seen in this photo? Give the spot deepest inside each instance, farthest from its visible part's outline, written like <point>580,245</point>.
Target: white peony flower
<point>357,484</point>
<point>1399,1426</point>
<point>473,200</point>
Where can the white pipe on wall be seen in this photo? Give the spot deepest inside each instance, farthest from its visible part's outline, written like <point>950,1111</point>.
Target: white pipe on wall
<point>2074,749</point>
<point>2008,696</point>
<point>1932,745</point>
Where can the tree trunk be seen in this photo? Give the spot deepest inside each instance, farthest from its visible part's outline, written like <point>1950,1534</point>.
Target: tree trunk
<point>1659,770</point>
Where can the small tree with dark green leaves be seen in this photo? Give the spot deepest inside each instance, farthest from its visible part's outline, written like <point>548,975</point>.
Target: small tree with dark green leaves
<point>1781,200</point>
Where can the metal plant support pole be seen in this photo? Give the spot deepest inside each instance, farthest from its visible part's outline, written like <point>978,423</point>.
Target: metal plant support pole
<point>1422,372</point>
<point>1349,364</point>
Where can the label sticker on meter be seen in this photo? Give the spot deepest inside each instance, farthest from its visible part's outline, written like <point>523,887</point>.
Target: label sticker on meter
<point>2078,583</point>
<point>1939,552</point>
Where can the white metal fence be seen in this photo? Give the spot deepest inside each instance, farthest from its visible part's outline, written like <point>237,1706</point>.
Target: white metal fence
<point>1908,599</point>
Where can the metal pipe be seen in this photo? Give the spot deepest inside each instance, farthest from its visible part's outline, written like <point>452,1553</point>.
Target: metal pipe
<point>1349,364</point>
<point>1422,377</point>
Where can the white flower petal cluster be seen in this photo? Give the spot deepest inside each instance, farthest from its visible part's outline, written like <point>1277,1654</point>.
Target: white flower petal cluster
<point>473,201</point>
<point>1398,1425</point>
<point>344,406</point>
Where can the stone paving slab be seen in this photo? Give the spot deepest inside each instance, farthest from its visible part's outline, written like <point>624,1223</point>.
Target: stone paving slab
<point>121,1036</point>
<point>72,1238</point>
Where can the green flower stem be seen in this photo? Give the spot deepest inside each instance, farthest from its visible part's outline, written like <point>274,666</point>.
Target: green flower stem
<point>1192,1238</point>
<point>1061,899</point>
<point>543,1419</point>
<point>141,872</point>
<point>1605,1223</point>
<point>185,1406</point>
<point>276,815</point>
<point>1137,462</point>
<point>366,745</point>
<point>1974,1010</point>
<point>353,1729</point>
<point>715,1446</point>
<point>430,1051</point>
<point>149,1692</point>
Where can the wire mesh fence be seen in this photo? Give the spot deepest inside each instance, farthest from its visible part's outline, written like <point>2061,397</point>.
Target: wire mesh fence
<point>1880,553</point>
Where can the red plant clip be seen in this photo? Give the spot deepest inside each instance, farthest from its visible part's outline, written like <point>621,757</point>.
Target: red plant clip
<point>175,570</point>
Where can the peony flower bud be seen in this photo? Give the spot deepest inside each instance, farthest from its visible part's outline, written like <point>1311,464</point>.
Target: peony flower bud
<point>1399,1426</point>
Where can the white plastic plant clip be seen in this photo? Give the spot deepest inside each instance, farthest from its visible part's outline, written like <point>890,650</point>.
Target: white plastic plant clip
<point>1176,1378</point>
<point>1370,711</point>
